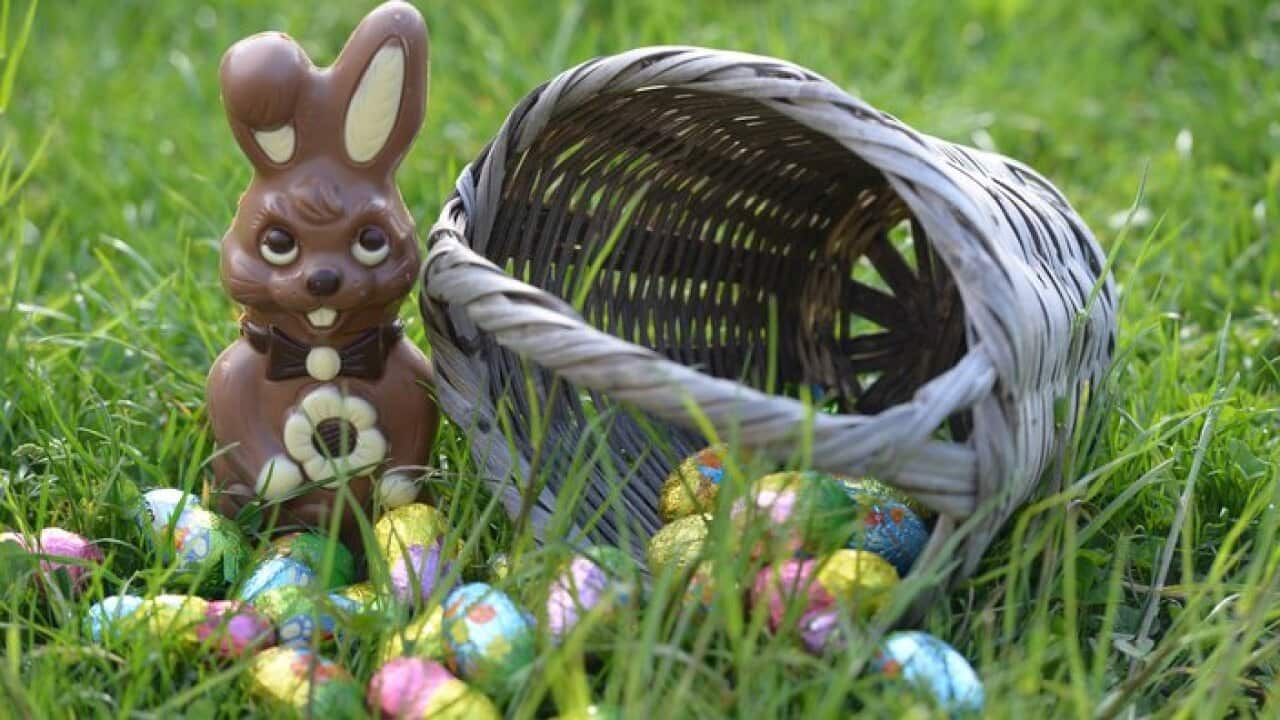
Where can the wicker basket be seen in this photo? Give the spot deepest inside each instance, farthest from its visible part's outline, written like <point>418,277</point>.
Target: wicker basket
<point>948,301</point>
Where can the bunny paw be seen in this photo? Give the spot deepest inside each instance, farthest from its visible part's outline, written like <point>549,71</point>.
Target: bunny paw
<point>278,477</point>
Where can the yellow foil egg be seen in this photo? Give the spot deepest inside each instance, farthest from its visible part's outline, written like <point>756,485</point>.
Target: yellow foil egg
<point>692,486</point>
<point>678,545</point>
<point>423,637</point>
<point>173,616</point>
<point>403,527</point>
<point>859,578</point>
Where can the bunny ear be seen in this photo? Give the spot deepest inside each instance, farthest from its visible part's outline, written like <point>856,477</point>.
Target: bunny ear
<point>382,77</point>
<point>262,78</point>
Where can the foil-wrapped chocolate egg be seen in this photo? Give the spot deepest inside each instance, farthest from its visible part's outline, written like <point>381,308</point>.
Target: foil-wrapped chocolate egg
<point>889,527</point>
<point>410,687</point>
<point>275,573</point>
<point>319,554</point>
<point>423,637</point>
<point>294,682</point>
<point>678,545</point>
<point>855,581</point>
<point>877,488</point>
<point>800,513</point>
<point>233,629</point>
<point>406,526</point>
<point>490,640</point>
<point>417,571</point>
<point>599,581</point>
<point>692,486</point>
<point>108,616</point>
<point>298,614</point>
<point>205,548</point>
<point>173,617</point>
<point>68,556</point>
<point>932,666</point>
<point>160,508</point>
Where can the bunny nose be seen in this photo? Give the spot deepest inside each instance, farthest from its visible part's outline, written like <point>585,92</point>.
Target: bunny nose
<point>323,282</point>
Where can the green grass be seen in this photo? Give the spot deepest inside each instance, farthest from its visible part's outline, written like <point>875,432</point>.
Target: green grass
<point>118,176</point>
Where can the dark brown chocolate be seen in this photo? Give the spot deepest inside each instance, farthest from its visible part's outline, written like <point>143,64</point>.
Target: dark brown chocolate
<point>321,386</point>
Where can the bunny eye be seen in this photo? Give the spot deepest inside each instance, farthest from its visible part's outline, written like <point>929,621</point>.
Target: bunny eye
<point>278,246</point>
<point>371,246</point>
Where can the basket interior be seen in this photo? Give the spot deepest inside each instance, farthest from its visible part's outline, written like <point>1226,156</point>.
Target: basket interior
<point>730,238</point>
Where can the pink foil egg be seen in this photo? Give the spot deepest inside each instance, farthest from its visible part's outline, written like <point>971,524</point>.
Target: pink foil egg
<point>233,629</point>
<point>59,543</point>
<point>411,687</point>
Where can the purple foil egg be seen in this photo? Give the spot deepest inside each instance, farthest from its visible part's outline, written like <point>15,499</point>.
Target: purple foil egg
<point>603,579</point>
<point>415,574</point>
<point>233,629</point>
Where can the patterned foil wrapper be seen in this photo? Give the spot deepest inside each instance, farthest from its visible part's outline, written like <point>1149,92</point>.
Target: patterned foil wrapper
<point>296,683</point>
<point>855,581</point>
<point>423,638</point>
<point>275,573</point>
<point>931,666</point>
<point>311,549</point>
<point>232,629</point>
<point>795,513</point>
<point>205,546</point>
<point>161,507</point>
<point>410,687</point>
<point>298,614</point>
<point>406,526</point>
<point>490,639</point>
<point>888,528</point>
<point>692,486</point>
<point>877,488</point>
<point>678,545</point>
<point>601,580</point>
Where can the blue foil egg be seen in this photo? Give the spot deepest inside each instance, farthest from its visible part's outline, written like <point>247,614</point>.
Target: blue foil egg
<point>889,527</point>
<point>298,614</point>
<point>933,666</point>
<point>489,638</point>
<point>104,616</point>
<point>276,572</point>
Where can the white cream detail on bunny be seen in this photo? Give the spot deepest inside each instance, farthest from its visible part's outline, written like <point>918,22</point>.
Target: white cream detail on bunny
<point>372,112</point>
<point>278,144</point>
<point>333,436</point>
<point>323,363</point>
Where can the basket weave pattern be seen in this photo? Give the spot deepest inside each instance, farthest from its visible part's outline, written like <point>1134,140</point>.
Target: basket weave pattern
<point>947,301</point>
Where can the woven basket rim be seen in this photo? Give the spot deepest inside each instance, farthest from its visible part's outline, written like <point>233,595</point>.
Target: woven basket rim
<point>1016,362</point>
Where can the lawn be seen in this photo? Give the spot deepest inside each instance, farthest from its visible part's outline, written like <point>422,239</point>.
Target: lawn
<point>1160,121</point>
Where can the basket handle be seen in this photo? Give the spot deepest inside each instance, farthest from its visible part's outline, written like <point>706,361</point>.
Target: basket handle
<point>896,445</point>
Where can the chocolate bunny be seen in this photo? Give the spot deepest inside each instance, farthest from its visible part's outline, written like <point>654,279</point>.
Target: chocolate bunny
<point>321,388</point>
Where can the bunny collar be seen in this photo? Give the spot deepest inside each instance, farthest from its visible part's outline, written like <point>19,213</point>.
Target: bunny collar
<point>288,358</point>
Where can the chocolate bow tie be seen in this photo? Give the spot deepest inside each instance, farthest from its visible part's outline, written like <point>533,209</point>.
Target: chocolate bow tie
<point>365,357</point>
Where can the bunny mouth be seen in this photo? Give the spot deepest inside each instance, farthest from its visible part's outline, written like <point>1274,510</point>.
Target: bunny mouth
<point>322,317</point>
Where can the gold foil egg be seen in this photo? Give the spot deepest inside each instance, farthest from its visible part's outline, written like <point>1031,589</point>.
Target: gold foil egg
<point>678,545</point>
<point>692,486</point>
<point>406,526</point>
